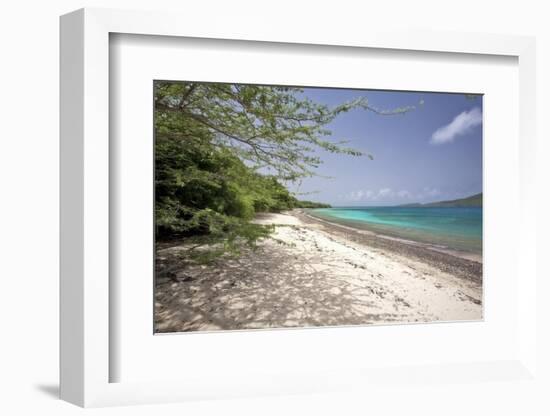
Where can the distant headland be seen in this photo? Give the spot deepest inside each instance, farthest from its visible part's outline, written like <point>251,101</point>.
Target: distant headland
<point>471,201</point>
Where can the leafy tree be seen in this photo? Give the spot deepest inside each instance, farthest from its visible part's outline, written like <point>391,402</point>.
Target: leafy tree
<point>268,126</point>
<point>310,204</point>
<point>212,142</point>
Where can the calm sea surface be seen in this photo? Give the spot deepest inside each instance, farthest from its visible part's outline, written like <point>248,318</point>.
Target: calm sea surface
<point>446,228</point>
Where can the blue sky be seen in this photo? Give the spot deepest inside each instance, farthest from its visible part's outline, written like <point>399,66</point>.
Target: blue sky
<point>431,153</point>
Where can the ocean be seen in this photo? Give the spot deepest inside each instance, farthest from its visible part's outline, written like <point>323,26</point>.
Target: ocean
<point>457,229</point>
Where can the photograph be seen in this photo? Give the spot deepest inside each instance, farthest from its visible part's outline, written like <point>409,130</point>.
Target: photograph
<point>282,207</point>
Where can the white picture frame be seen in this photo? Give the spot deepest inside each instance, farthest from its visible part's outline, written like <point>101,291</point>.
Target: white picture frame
<point>85,217</point>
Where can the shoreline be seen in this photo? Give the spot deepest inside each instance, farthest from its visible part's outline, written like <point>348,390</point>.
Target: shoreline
<point>388,234</point>
<point>315,274</point>
<point>463,264</point>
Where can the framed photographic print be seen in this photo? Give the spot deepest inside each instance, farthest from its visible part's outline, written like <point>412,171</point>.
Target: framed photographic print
<point>296,199</point>
<point>392,232</point>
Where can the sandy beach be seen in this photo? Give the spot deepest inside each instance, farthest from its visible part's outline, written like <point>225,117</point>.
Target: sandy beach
<point>316,273</point>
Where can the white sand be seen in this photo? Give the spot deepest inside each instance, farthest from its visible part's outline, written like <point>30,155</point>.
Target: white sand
<point>314,278</point>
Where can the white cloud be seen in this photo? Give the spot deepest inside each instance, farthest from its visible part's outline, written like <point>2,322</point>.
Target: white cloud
<point>385,193</point>
<point>355,195</point>
<point>431,191</point>
<point>429,194</point>
<point>461,124</point>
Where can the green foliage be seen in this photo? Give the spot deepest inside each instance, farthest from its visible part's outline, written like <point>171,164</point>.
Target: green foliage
<point>223,152</point>
<point>273,127</point>
<point>310,204</point>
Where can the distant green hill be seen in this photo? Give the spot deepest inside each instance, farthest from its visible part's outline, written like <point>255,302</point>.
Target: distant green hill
<point>471,201</point>
<point>310,204</point>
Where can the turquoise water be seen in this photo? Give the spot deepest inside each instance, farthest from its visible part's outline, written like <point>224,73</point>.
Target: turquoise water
<point>448,228</point>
